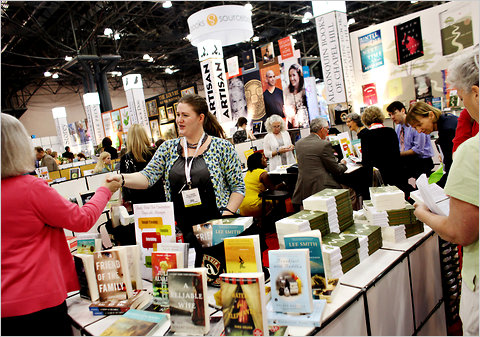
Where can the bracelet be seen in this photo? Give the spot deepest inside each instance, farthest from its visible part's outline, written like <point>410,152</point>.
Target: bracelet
<point>123,180</point>
<point>226,209</point>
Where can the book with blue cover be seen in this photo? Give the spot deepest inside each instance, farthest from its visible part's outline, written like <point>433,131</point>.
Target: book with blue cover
<point>220,232</point>
<point>291,280</point>
<point>312,241</point>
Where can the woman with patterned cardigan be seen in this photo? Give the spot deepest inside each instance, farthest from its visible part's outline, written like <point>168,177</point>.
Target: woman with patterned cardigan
<point>209,183</point>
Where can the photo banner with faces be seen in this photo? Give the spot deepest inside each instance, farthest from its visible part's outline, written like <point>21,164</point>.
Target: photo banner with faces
<point>294,95</point>
<point>271,78</point>
<point>214,77</point>
<point>133,86</point>
<point>94,117</point>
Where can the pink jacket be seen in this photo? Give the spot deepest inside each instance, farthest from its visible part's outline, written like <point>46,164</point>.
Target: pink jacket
<point>37,266</point>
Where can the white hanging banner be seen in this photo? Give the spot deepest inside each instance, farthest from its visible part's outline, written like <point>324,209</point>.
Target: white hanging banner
<point>231,24</point>
<point>232,66</point>
<point>61,125</point>
<point>108,125</point>
<point>346,54</point>
<point>210,54</point>
<point>327,34</point>
<point>133,86</point>
<point>94,117</point>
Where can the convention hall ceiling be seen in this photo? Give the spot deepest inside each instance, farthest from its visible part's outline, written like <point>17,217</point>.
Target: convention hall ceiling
<point>36,36</point>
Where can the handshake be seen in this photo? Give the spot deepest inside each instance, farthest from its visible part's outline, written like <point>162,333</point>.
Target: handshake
<point>113,182</point>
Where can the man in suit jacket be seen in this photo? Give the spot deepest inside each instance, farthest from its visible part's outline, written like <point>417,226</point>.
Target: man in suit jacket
<point>45,159</point>
<point>318,167</point>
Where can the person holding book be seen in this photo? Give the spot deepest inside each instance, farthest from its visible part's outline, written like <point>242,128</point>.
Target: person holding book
<point>202,171</point>
<point>416,150</point>
<point>426,119</point>
<point>277,144</point>
<point>318,168</point>
<point>37,266</point>
<point>103,163</point>
<point>257,181</point>
<point>461,224</point>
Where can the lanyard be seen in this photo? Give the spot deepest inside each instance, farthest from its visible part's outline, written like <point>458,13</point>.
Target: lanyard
<point>188,167</point>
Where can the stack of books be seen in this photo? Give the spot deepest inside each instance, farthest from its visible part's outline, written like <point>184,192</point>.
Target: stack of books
<point>385,198</point>
<point>374,217</point>
<point>316,219</point>
<point>414,228</point>
<point>139,299</point>
<point>332,260</point>
<point>393,233</point>
<point>138,323</point>
<point>348,248</point>
<point>372,233</point>
<point>290,226</point>
<point>336,202</point>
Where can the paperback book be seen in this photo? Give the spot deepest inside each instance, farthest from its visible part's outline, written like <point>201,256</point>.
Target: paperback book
<point>136,323</point>
<point>243,304</point>
<point>161,263</point>
<point>139,299</point>
<point>291,280</point>
<point>85,269</point>
<point>112,274</point>
<point>188,301</point>
<point>242,254</point>
<point>311,319</point>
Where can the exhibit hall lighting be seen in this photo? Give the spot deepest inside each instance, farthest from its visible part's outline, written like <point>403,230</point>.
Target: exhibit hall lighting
<point>306,17</point>
<point>169,71</point>
<point>146,57</point>
<point>55,75</point>
<point>167,4</point>
<point>230,24</point>
<point>47,74</point>
<point>116,36</point>
<point>351,21</point>
<point>256,39</point>
<point>249,6</point>
<point>108,31</point>
<point>68,58</point>
<point>59,112</point>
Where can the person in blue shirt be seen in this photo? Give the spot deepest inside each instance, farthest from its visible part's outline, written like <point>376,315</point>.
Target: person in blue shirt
<point>416,150</point>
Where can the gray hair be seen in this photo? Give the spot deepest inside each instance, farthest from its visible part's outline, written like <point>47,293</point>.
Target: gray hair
<point>17,155</point>
<point>317,124</point>
<point>463,71</point>
<point>274,119</point>
<point>354,117</point>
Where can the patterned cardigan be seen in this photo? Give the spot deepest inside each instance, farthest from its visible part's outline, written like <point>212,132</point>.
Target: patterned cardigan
<point>222,162</point>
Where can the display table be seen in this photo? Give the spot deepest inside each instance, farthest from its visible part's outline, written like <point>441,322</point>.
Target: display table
<point>395,291</point>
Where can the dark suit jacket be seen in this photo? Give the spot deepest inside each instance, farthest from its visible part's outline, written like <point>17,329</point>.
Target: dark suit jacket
<point>317,167</point>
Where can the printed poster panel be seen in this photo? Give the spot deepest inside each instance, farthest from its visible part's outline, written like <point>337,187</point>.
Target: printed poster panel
<point>267,53</point>
<point>271,78</point>
<point>408,39</point>
<point>238,101</point>
<point>423,86</point>
<point>369,94</point>
<point>286,47</point>
<point>456,29</point>
<point>371,50</point>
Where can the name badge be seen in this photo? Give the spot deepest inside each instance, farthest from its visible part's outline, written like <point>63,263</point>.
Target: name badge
<point>191,197</point>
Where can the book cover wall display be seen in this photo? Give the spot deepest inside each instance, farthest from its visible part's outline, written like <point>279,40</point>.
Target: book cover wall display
<point>423,86</point>
<point>155,128</point>
<point>286,47</point>
<point>408,40</point>
<point>243,304</point>
<point>152,107</point>
<point>291,280</point>
<point>456,29</point>
<point>238,101</point>
<point>188,301</point>
<point>168,131</point>
<point>171,111</point>
<point>233,68</point>
<point>267,53</point>
<point>162,114</point>
<point>371,50</point>
<point>248,58</point>
<point>369,94</point>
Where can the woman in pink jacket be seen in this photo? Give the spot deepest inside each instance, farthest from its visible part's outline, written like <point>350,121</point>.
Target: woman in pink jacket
<point>37,266</point>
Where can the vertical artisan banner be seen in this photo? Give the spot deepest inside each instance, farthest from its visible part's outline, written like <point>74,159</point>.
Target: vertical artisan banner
<point>346,54</point>
<point>214,79</point>
<point>60,118</point>
<point>94,117</point>
<point>330,56</point>
<point>133,86</point>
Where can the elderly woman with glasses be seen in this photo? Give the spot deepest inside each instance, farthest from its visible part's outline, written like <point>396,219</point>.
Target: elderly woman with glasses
<point>277,144</point>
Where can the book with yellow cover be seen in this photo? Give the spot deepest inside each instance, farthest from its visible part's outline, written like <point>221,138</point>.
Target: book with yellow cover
<point>242,254</point>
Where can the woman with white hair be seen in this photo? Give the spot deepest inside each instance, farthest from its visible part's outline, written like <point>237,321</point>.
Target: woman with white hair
<point>277,144</point>
<point>37,266</point>
<point>461,225</point>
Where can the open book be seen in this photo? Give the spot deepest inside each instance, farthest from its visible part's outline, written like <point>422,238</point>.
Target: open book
<point>432,195</point>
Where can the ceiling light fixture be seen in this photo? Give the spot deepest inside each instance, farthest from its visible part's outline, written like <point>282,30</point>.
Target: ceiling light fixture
<point>306,17</point>
<point>108,31</point>
<point>116,36</point>
<point>351,21</point>
<point>167,4</point>
<point>294,40</point>
<point>47,74</point>
<point>146,57</point>
<point>189,37</point>
<point>255,38</point>
<point>68,58</point>
<point>150,59</point>
<point>169,71</point>
<point>55,75</point>
<point>249,6</point>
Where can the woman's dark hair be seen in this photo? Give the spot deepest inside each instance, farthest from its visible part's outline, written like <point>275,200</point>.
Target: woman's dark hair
<point>241,121</point>
<point>106,142</point>
<point>298,69</point>
<point>254,161</point>
<point>210,123</point>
